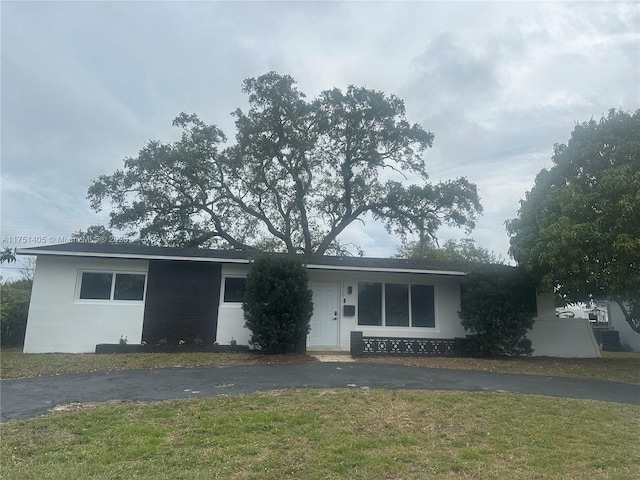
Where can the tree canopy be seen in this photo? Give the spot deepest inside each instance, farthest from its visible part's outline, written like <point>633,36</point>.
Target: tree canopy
<point>8,255</point>
<point>14,309</point>
<point>94,234</point>
<point>463,250</point>
<point>299,173</point>
<point>578,229</point>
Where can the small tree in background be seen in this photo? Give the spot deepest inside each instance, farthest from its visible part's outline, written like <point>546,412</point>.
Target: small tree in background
<point>498,304</point>
<point>14,309</point>
<point>94,234</point>
<point>8,255</point>
<point>463,250</point>
<point>278,303</point>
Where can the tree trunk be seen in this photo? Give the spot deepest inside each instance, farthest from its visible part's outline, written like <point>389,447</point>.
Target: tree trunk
<point>632,320</point>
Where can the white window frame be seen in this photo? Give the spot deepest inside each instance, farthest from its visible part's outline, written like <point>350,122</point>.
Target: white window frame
<point>223,286</point>
<point>110,300</point>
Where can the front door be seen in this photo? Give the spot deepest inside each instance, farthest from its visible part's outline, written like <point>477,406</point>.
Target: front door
<point>324,322</point>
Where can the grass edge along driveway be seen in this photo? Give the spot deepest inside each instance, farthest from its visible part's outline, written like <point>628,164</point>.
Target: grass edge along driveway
<point>614,366</point>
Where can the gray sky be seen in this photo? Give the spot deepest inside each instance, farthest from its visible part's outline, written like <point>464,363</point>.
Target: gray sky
<point>86,84</point>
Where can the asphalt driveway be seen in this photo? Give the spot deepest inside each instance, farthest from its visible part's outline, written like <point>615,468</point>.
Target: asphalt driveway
<point>30,397</point>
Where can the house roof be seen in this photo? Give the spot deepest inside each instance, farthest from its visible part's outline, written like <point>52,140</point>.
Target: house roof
<point>323,262</point>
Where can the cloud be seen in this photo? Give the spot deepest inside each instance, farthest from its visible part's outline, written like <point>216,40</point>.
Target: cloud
<point>498,101</point>
<point>86,84</point>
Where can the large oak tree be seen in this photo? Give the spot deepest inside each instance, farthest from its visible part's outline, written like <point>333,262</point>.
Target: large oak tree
<point>298,174</point>
<point>463,250</point>
<point>578,229</point>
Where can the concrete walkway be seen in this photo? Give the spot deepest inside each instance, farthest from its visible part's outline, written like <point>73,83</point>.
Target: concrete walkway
<point>328,357</point>
<point>30,397</point>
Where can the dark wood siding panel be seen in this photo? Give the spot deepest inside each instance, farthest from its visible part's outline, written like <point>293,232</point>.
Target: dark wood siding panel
<point>182,302</point>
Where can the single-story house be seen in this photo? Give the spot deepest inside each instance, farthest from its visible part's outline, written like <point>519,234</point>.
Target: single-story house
<point>86,294</point>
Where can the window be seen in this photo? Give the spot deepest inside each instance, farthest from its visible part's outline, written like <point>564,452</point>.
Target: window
<point>112,286</point>
<point>422,312</point>
<point>234,289</point>
<point>369,304</point>
<point>396,305</point>
<point>128,287</point>
<point>96,286</point>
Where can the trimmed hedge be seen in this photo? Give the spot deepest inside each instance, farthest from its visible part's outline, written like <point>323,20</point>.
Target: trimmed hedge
<point>278,304</point>
<point>498,304</point>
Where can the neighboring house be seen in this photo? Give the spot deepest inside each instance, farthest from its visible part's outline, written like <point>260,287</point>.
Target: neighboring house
<point>597,315</point>
<point>85,294</point>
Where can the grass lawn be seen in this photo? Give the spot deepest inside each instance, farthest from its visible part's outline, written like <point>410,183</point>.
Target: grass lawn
<point>334,433</point>
<point>15,364</point>
<point>327,433</point>
<point>616,366</point>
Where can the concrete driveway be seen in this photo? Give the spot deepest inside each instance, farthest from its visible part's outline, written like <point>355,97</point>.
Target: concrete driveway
<point>30,397</point>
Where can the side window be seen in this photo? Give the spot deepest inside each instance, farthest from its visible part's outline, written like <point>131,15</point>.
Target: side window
<point>129,286</point>
<point>112,286</point>
<point>234,289</point>
<point>96,286</point>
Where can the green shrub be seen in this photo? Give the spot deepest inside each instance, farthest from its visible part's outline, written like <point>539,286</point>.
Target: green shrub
<point>14,310</point>
<point>278,303</point>
<point>498,304</point>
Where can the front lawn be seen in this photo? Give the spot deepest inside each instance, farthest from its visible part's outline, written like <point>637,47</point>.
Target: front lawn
<point>616,366</point>
<point>330,434</point>
<point>15,364</point>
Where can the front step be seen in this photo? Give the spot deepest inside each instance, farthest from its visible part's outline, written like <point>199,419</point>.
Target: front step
<point>333,357</point>
<point>322,349</point>
<point>326,351</point>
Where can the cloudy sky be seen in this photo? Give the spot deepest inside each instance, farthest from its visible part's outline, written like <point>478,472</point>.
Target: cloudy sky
<point>86,84</point>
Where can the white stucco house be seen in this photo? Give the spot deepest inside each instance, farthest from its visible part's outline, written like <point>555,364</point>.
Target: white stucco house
<point>86,294</point>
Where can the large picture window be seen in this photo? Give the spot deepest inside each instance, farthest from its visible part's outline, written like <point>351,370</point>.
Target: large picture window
<point>112,286</point>
<point>396,305</point>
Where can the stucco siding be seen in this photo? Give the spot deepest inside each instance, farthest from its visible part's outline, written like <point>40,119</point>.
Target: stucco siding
<point>563,337</point>
<point>230,315</point>
<point>60,322</point>
<point>560,337</point>
<point>546,305</point>
<point>446,304</point>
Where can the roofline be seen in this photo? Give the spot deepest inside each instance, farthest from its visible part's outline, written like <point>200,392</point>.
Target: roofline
<point>131,256</point>
<point>246,261</point>
<point>387,270</point>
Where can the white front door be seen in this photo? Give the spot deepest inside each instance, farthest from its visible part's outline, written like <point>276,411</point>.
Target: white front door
<point>324,322</point>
